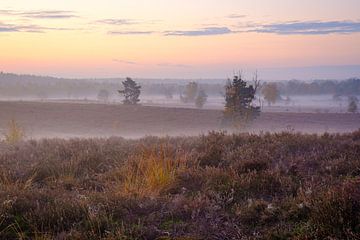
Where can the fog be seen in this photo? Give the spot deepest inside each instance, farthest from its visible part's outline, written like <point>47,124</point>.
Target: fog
<point>66,108</point>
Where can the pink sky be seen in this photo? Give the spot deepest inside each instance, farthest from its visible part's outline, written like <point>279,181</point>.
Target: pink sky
<point>181,39</point>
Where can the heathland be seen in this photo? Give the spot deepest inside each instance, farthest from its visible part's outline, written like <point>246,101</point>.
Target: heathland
<point>214,186</point>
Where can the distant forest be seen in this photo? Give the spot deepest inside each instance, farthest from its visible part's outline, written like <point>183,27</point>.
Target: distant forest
<point>340,88</point>
<point>22,86</point>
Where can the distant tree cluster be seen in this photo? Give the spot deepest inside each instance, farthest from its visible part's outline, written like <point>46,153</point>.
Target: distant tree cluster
<point>345,88</point>
<point>194,94</point>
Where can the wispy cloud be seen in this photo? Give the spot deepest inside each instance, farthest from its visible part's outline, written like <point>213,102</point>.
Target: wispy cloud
<point>130,32</point>
<point>236,16</point>
<point>49,14</point>
<point>173,65</point>
<point>125,62</point>
<point>8,28</point>
<point>29,28</point>
<point>118,22</point>
<point>53,14</point>
<point>309,28</point>
<point>201,32</point>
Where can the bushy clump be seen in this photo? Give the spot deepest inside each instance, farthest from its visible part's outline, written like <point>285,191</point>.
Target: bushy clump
<point>336,212</point>
<point>216,186</point>
<point>14,132</point>
<point>151,171</point>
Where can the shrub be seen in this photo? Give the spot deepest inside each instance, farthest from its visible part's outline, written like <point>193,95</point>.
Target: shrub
<point>14,133</point>
<point>336,212</point>
<point>216,186</point>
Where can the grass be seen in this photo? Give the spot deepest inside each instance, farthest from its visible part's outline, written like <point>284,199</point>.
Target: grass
<point>14,133</point>
<point>216,186</point>
<point>151,171</point>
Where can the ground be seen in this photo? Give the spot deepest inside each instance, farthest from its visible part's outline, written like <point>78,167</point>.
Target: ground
<point>64,120</point>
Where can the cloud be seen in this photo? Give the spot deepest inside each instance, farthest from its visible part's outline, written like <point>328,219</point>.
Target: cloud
<point>309,28</point>
<point>130,32</point>
<point>236,16</point>
<point>29,28</point>
<point>125,62</point>
<point>8,28</point>
<point>113,21</point>
<point>173,65</point>
<point>54,14</point>
<point>49,14</point>
<point>201,32</point>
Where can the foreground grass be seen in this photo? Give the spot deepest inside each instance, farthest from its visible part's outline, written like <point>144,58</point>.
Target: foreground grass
<point>272,186</point>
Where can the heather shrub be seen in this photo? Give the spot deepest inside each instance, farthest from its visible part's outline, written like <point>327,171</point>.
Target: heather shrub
<point>215,186</point>
<point>336,212</point>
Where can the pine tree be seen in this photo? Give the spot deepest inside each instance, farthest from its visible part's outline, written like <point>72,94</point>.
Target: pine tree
<point>239,99</point>
<point>131,92</point>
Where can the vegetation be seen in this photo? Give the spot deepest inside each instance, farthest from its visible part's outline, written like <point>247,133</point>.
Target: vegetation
<point>353,101</point>
<point>239,97</point>
<point>219,186</point>
<point>344,88</point>
<point>201,99</point>
<point>103,95</point>
<point>14,132</point>
<point>12,85</point>
<point>131,92</point>
<point>270,92</point>
<point>189,93</point>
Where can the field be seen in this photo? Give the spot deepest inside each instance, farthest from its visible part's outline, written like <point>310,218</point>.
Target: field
<point>97,171</point>
<point>65,120</point>
<point>218,186</point>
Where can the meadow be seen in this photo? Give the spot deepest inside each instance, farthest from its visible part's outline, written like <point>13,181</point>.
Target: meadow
<point>215,186</point>
<point>73,119</point>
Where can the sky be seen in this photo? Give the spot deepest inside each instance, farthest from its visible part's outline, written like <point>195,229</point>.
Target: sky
<point>281,39</point>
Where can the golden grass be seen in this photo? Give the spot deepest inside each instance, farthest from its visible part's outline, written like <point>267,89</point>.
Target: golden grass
<point>152,171</point>
<point>14,132</point>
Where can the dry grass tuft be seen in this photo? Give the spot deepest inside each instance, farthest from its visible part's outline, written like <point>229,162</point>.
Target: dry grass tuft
<point>14,133</point>
<point>151,171</point>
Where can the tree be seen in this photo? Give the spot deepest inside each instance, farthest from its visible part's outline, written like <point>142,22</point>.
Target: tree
<point>270,93</point>
<point>239,99</point>
<point>168,92</point>
<point>190,92</point>
<point>201,99</point>
<point>103,95</point>
<point>131,92</point>
<point>353,101</point>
